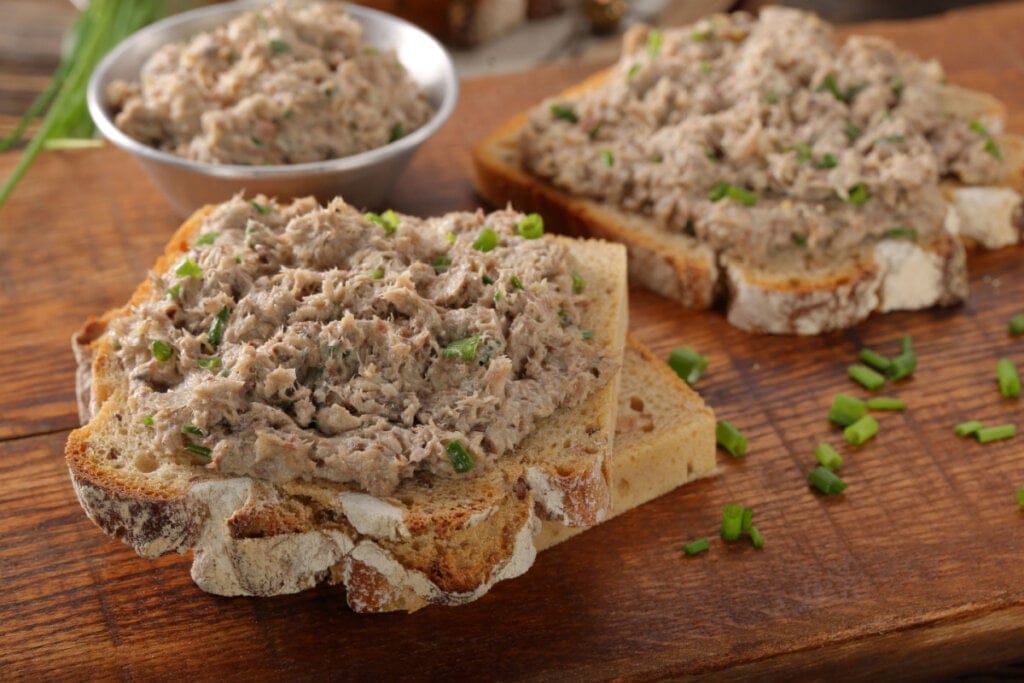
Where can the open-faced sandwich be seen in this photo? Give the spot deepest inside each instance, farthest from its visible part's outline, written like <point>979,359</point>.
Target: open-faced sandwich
<point>412,408</point>
<point>757,161</point>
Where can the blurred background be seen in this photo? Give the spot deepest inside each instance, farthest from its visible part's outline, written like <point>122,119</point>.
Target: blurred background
<point>485,36</point>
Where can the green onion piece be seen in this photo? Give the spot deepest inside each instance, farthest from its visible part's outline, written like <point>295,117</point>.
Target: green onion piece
<point>1017,325</point>
<point>162,350</point>
<point>866,377</point>
<point>216,333</point>
<point>207,238</point>
<point>189,268</point>
<point>851,130</point>
<point>987,434</point>
<point>858,194</point>
<point>654,41</point>
<point>755,537</point>
<point>1009,380</point>
<point>587,334</point>
<point>450,236</point>
<point>772,97</point>
<point>827,456</point>
<point>846,410</point>
<point>388,220</point>
<point>564,317</point>
<point>531,226</point>
<point>992,149</point>
<point>886,403</point>
<point>1020,496</point>
<point>202,451</point>
<point>901,234</point>
<point>632,71</point>
<point>209,363</point>
<point>903,365</point>
<point>578,283</point>
<point>516,284</point>
<point>732,522</point>
<point>978,127</point>
<point>607,157</point>
<point>564,112</point>
<point>688,364</point>
<point>968,428</point>
<point>376,273</point>
<point>192,429</point>
<point>861,430</point>
<point>826,481</point>
<point>699,546</point>
<point>486,240</point>
<point>279,47</point>
<point>906,344</point>
<point>723,189</point>
<point>875,360</point>
<point>803,151</point>
<point>462,462</point>
<point>174,291</point>
<point>699,36</point>
<point>829,84</point>
<point>462,348</point>
<point>442,264</point>
<point>397,132</point>
<point>718,191</point>
<point>747,521</point>
<point>730,439</point>
<point>147,420</point>
<point>486,279</point>
<point>827,160</point>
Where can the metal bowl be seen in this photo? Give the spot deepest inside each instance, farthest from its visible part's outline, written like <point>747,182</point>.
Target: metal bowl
<point>363,179</point>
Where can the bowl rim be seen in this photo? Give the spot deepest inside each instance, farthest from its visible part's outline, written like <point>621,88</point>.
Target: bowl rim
<point>97,109</point>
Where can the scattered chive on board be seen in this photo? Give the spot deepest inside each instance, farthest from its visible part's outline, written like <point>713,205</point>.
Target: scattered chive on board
<point>904,364</point>
<point>987,434</point>
<point>696,547</point>
<point>826,481</point>
<point>755,537</point>
<point>1009,380</point>
<point>846,410</point>
<point>875,360</point>
<point>968,428</point>
<point>866,377</point>
<point>1020,496</point>
<point>886,403</point>
<point>732,522</point>
<point>860,431</point>
<point>827,456</point>
<point>688,364</point>
<point>730,439</point>
<point>1016,325</point>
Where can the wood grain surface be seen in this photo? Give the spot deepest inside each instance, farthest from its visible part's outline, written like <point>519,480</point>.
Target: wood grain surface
<point>915,571</point>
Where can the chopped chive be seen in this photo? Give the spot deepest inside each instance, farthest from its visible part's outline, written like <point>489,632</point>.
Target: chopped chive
<point>723,189</point>
<point>1016,325</point>
<point>486,240</point>
<point>531,226</point>
<point>829,84</point>
<point>827,160</point>
<point>901,234</point>
<point>632,71</point>
<point>747,521</point>
<point>564,317</point>
<point>886,403</point>
<point>211,363</point>
<point>174,291</point>
<point>688,364</point>
<point>216,333</point>
<point>730,439</point>
<point>700,36</point>
<point>587,334</point>
<point>732,522</point>
<point>397,132</point>
<point>803,151</point>
<point>462,348</point>
<point>858,194</point>
<point>700,545</point>
<point>1020,496</point>
<point>1009,380</point>
<point>992,149</point>
<point>564,112</point>
<point>388,220</point>
<point>462,462</point>
<point>189,268</point>
<point>450,236</point>
<point>486,279</point>
<point>192,429</point>
<point>978,127</point>
<point>968,428</point>
<point>654,41</point>
<point>207,238</point>
<point>772,97</point>
<point>578,283</point>
<point>147,420</point>
<point>904,364</point>
<point>376,273</point>
<point>162,351</point>
<point>861,430</point>
<point>755,537</point>
<point>826,481</point>
<point>607,157</point>
<point>827,456</point>
<point>516,283</point>
<point>987,434</point>
<point>442,263</point>
<point>846,410</point>
<point>202,451</point>
<point>866,377</point>
<point>279,47</point>
<point>875,360</point>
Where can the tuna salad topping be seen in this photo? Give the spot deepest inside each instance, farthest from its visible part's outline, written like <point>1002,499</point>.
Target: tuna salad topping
<point>289,83</point>
<point>306,342</point>
<point>762,136</point>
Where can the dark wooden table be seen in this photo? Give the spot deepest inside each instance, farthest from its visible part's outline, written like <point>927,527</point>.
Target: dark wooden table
<point>916,571</point>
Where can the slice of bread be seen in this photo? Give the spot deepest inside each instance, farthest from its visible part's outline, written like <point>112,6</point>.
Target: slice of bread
<point>778,297</point>
<point>455,536</point>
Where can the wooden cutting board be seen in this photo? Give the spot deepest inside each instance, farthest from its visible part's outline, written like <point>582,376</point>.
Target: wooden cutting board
<point>917,569</point>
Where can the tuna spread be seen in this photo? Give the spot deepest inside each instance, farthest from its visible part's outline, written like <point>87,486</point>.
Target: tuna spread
<point>306,342</point>
<point>762,135</point>
<point>289,83</point>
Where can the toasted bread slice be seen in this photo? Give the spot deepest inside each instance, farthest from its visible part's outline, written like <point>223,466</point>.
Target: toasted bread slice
<point>776,298</point>
<point>469,532</point>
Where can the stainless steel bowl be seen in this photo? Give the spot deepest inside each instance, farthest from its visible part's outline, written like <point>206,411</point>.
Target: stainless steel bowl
<point>363,179</point>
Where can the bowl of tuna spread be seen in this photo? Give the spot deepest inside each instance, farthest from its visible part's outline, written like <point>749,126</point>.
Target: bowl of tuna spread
<point>282,98</point>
